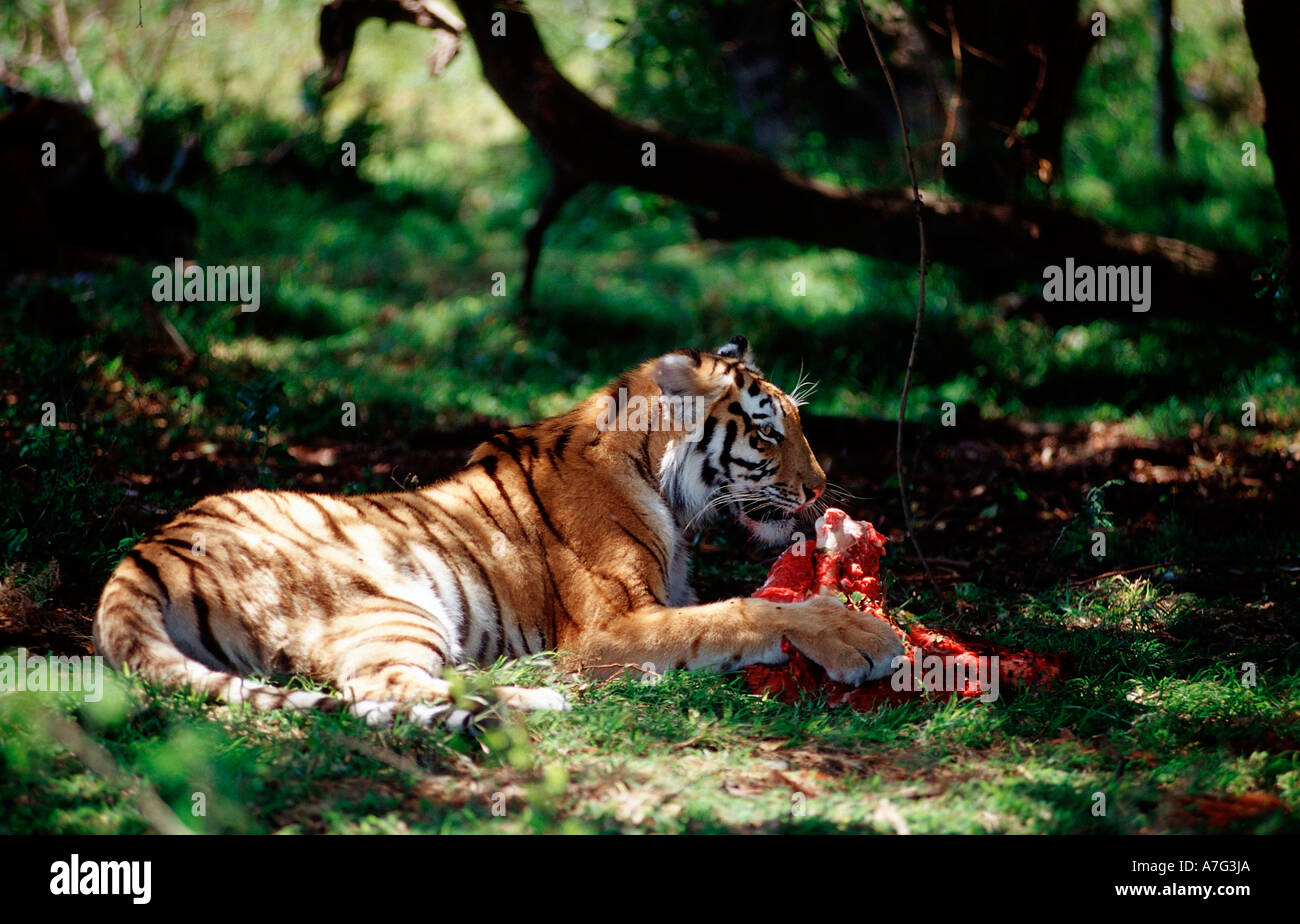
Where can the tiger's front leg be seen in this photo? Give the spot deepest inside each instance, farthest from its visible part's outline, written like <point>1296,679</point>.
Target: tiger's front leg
<point>851,646</point>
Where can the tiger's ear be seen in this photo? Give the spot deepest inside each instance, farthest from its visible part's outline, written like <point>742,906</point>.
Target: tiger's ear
<point>682,375</point>
<point>737,348</point>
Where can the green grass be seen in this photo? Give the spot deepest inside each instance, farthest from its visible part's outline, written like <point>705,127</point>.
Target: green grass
<point>1147,716</point>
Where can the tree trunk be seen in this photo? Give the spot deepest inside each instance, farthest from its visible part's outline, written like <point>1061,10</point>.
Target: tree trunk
<point>1167,106</point>
<point>1273,29</point>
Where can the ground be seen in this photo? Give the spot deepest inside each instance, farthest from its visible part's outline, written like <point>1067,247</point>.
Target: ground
<point>1153,714</point>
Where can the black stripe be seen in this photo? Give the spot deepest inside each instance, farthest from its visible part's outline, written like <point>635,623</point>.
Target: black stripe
<point>215,514</point>
<point>631,535</point>
<point>728,440</point>
<point>379,666</point>
<point>501,489</point>
<point>203,618</point>
<point>486,579</point>
<point>420,514</point>
<point>663,551</point>
<point>203,614</point>
<point>501,630</point>
<point>354,633</point>
<point>481,652</point>
<point>151,572</point>
<point>546,518</point>
<point>553,639</point>
<point>445,518</point>
<point>537,501</point>
<point>491,515</point>
<point>443,556</point>
<point>465,613</point>
<point>244,508</point>
<point>562,441</point>
<point>403,606</point>
<point>405,640</point>
<point>386,512</point>
<point>643,461</point>
<point>706,433</point>
<point>139,590</point>
<point>248,512</point>
<point>328,517</point>
<point>740,412</point>
<point>188,525</point>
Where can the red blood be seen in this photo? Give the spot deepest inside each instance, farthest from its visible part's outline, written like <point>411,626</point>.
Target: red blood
<point>845,558</point>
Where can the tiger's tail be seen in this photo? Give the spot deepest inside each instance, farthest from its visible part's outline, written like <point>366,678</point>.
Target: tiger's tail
<point>129,633</point>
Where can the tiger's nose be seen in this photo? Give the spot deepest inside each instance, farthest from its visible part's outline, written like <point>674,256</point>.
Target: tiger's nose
<point>812,493</point>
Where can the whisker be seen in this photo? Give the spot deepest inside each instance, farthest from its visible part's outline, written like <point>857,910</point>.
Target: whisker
<point>719,500</point>
<point>803,389</point>
<point>840,493</point>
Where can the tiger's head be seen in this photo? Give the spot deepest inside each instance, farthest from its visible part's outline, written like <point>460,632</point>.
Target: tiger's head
<point>747,454</point>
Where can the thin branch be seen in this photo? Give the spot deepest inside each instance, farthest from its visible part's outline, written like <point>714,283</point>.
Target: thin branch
<point>1013,135</point>
<point>68,52</point>
<point>825,34</point>
<point>156,813</point>
<point>920,299</point>
<point>340,19</point>
<point>966,46</point>
<point>1121,573</point>
<point>1284,561</point>
<point>950,126</point>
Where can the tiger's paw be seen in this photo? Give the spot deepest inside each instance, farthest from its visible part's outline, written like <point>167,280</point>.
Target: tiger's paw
<point>468,715</point>
<point>532,699</point>
<point>851,647</point>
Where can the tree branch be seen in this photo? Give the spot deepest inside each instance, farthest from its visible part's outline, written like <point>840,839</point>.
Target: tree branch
<point>340,20</point>
<point>743,194</point>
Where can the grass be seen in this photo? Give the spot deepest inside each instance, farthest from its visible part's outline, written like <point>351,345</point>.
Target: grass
<point>1147,717</point>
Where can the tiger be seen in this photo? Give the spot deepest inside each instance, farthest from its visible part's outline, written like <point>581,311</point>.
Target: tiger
<point>571,535</point>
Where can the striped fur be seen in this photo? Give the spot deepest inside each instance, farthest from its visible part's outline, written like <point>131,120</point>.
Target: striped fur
<point>561,535</point>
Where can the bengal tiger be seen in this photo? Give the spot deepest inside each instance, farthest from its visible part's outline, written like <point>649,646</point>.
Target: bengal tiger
<point>570,535</point>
